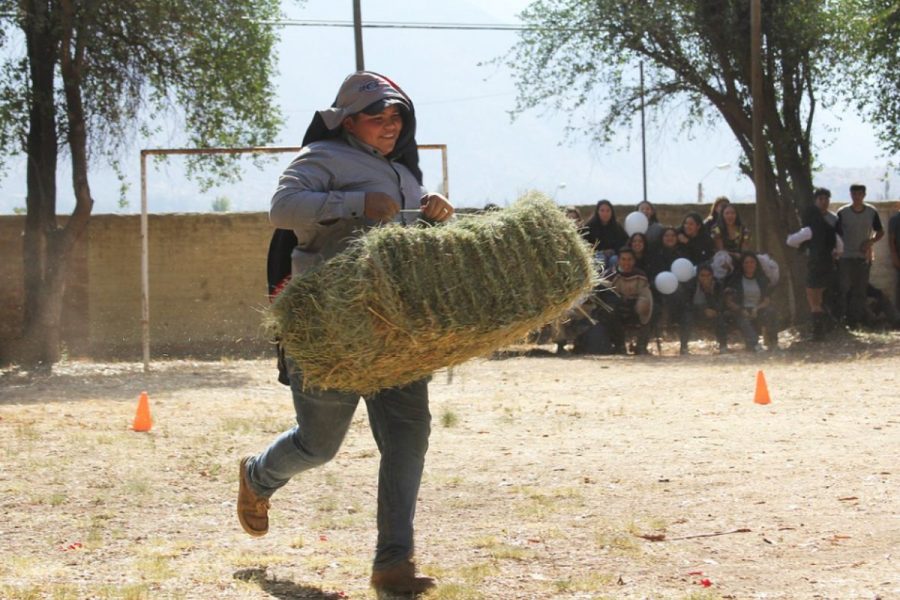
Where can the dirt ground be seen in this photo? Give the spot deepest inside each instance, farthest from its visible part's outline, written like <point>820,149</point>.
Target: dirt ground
<point>547,477</point>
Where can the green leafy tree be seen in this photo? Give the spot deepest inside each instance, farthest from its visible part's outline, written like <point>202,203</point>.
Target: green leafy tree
<point>91,75</point>
<point>878,85</point>
<point>221,204</point>
<point>583,54</point>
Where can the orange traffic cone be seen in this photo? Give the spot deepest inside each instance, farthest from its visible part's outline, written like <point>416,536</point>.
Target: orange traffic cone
<point>762,390</point>
<point>142,420</point>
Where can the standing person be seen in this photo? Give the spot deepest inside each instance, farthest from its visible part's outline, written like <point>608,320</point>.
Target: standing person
<point>358,168</point>
<point>860,227</point>
<point>604,233</point>
<point>822,246</point>
<point>894,243</point>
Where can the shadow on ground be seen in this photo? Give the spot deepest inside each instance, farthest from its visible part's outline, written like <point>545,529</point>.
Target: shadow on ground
<point>285,589</point>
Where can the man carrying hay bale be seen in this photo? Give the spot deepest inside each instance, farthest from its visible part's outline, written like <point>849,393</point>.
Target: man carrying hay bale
<point>358,168</point>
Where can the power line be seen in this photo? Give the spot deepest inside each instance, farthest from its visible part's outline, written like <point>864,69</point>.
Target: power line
<point>399,25</point>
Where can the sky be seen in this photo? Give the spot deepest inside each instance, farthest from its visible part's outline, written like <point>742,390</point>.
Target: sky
<point>466,105</point>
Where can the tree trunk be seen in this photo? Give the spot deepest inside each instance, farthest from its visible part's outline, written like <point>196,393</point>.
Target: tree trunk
<point>49,249</point>
<point>40,220</point>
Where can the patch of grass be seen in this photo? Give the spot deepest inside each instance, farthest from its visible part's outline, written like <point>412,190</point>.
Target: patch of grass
<point>297,543</point>
<point>509,416</point>
<point>509,552</point>
<point>327,504</point>
<point>243,560</point>
<point>454,591</point>
<point>21,593</point>
<point>27,432</point>
<point>134,591</point>
<point>592,582</point>
<point>239,425</point>
<point>449,418</point>
<point>703,595</point>
<point>155,567</point>
<point>501,551</point>
<point>618,542</point>
<point>137,487</point>
<point>57,498</point>
<point>542,502</point>
<point>475,574</point>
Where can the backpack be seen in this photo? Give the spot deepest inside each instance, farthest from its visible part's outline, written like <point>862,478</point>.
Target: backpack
<point>278,268</point>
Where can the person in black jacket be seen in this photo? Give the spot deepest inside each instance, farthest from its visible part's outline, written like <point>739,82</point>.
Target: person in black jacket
<point>604,233</point>
<point>820,241</point>
<point>703,305</point>
<point>694,237</point>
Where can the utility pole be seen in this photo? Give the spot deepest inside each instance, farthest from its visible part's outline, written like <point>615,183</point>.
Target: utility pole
<point>357,35</point>
<point>643,134</point>
<point>759,149</point>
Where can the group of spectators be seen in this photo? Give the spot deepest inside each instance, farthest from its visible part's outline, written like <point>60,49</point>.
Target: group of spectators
<point>730,288</point>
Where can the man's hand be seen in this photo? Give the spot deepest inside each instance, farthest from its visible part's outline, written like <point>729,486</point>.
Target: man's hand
<point>436,208</point>
<point>380,207</point>
<point>710,313</point>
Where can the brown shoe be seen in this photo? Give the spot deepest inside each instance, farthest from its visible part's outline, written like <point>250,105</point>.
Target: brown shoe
<point>252,509</point>
<point>401,579</point>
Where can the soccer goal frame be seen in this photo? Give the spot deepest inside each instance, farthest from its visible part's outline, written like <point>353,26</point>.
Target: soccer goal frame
<point>145,234</point>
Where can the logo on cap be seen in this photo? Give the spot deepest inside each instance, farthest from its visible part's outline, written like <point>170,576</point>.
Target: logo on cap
<point>368,87</point>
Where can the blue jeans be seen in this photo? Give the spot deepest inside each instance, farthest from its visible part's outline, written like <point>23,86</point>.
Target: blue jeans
<point>400,423</point>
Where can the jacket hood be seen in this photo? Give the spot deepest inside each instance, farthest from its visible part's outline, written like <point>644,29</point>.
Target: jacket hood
<point>360,91</point>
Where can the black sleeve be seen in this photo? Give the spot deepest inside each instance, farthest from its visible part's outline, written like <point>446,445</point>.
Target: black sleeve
<point>876,222</point>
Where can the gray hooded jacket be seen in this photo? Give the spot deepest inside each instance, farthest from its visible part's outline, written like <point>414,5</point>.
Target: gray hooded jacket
<point>321,195</point>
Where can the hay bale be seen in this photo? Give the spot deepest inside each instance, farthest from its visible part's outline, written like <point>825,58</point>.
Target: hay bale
<point>402,302</point>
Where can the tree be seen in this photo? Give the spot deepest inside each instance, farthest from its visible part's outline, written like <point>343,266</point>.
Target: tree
<point>879,34</point>
<point>92,74</point>
<point>221,204</point>
<point>578,53</point>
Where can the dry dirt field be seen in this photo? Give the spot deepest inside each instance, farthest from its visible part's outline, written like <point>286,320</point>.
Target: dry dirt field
<point>547,477</point>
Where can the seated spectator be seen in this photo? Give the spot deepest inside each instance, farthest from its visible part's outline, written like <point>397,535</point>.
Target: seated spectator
<point>704,305</point>
<point>698,246</point>
<point>654,227</point>
<point>638,243</point>
<point>715,210</point>
<point>631,304</point>
<point>882,312</point>
<point>604,233</point>
<point>748,302</point>
<point>575,215</point>
<point>729,234</point>
<point>661,258</point>
<point>666,308</point>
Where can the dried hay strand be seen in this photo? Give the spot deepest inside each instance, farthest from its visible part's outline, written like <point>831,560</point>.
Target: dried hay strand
<point>401,302</point>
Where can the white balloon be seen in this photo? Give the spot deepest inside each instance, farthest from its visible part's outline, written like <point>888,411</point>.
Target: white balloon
<point>636,222</point>
<point>683,269</point>
<point>666,282</point>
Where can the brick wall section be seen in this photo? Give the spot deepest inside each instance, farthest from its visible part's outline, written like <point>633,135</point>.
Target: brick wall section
<point>207,282</point>
<point>12,292</point>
